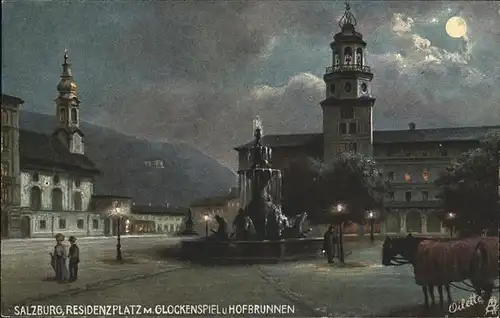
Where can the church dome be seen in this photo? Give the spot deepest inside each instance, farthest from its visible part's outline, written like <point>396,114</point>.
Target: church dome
<point>66,85</point>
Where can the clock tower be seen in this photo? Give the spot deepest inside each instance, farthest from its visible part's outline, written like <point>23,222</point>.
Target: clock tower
<point>348,107</point>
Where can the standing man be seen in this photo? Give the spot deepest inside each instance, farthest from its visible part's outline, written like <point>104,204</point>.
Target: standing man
<point>329,240</point>
<point>74,259</point>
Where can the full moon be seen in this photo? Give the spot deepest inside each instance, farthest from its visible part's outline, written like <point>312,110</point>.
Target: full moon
<point>456,27</point>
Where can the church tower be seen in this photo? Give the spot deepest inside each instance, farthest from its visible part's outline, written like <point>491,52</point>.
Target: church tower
<point>348,107</point>
<point>68,111</point>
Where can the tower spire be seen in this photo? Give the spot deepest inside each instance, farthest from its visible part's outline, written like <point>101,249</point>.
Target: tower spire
<point>66,84</point>
<point>66,66</point>
<point>348,18</point>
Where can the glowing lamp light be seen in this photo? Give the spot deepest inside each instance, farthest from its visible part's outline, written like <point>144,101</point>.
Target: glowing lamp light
<point>340,207</point>
<point>206,217</point>
<point>371,215</point>
<point>451,215</point>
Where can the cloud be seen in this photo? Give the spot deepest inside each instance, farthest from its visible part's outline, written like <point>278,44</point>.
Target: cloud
<point>401,24</point>
<point>199,72</point>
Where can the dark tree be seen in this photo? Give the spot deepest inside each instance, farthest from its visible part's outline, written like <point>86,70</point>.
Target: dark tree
<point>469,188</point>
<point>351,179</point>
<point>301,182</point>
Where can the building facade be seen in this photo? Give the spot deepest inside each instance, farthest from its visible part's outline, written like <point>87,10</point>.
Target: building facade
<point>10,181</point>
<point>155,220</point>
<point>204,211</point>
<point>56,177</point>
<point>411,159</point>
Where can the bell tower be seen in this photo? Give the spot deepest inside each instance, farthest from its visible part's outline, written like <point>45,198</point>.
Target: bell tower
<point>348,107</point>
<point>68,111</point>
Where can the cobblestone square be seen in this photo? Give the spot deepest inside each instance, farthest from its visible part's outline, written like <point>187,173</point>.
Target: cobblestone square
<point>313,288</point>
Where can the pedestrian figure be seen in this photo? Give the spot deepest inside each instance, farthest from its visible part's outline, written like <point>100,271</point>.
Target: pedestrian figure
<point>59,258</point>
<point>329,241</point>
<point>74,259</point>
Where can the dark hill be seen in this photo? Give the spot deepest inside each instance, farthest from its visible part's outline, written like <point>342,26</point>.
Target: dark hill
<point>188,173</point>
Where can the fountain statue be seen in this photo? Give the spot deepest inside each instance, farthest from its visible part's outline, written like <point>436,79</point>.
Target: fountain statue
<point>260,194</point>
<point>261,231</point>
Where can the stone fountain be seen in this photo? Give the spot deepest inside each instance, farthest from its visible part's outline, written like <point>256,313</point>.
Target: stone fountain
<point>262,231</point>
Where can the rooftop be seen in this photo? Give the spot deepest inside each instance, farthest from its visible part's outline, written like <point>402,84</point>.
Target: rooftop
<point>384,136</point>
<point>8,99</point>
<point>41,151</point>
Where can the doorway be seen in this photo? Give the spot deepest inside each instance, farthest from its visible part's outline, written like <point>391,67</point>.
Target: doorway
<point>25,226</point>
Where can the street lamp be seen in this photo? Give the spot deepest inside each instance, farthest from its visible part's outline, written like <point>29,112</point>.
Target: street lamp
<point>118,239</point>
<point>450,216</point>
<point>206,217</point>
<point>371,218</point>
<point>339,211</point>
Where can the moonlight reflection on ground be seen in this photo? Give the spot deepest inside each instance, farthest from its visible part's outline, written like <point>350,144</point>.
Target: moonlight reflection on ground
<point>456,27</point>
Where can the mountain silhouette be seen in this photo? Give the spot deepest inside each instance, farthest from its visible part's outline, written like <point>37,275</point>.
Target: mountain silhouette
<point>125,164</point>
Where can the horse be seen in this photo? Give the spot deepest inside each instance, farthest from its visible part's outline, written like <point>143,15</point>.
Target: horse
<point>407,248</point>
<point>442,263</point>
<point>484,267</point>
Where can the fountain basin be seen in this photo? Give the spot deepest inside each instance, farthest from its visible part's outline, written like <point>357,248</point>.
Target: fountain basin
<point>248,252</point>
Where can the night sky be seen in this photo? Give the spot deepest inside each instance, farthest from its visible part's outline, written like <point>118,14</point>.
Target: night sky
<point>198,72</point>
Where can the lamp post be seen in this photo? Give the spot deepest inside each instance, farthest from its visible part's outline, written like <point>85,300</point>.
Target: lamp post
<point>371,218</point>
<point>206,218</point>
<point>450,216</point>
<point>118,238</point>
<point>339,211</point>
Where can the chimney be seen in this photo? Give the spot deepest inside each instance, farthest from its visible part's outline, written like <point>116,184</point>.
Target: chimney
<point>412,126</point>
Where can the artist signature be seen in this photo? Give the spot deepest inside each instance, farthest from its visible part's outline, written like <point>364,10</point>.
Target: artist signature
<point>491,309</point>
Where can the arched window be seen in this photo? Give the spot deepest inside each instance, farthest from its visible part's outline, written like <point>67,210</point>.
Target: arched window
<point>74,115</point>
<point>347,55</point>
<point>77,200</point>
<point>433,223</point>
<point>336,57</point>
<point>413,222</point>
<point>359,56</point>
<point>57,199</point>
<point>35,198</point>
<point>62,114</point>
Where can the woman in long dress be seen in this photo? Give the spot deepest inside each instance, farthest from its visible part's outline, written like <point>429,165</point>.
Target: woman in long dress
<point>59,259</point>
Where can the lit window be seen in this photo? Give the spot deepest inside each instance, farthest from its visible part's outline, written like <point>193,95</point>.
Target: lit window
<point>343,148</point>
<point>407,177</point>
<point>425,175</point>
